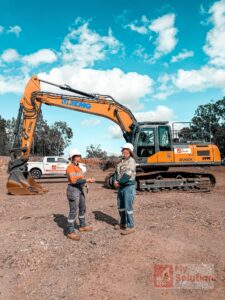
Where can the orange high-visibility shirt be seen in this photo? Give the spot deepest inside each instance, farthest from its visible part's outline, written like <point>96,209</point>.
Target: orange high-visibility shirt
<point>74,173</point>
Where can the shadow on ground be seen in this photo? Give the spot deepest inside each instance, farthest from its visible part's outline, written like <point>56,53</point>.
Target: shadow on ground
<point>61,221</point>
<point>100,216</point>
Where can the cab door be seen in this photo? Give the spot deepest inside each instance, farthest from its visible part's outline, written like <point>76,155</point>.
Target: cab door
<point>145,146</point>
<point>164,145</point>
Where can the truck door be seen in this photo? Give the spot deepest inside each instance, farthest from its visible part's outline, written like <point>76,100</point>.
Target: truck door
<point>50,165</point>
<point>61,165</point>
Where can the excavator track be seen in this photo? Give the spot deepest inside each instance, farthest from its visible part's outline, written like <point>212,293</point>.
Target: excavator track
<point>171,181</point>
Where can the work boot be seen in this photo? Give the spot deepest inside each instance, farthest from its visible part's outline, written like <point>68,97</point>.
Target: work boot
<point>85,228</point>
<point>120,226</point>
<point>73,236</point>
<point>128,231</point>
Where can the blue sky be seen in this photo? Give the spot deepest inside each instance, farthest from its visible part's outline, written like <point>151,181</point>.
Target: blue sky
<point>160,59</point>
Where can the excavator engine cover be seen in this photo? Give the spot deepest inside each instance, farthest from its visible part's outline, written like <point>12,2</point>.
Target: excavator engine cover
<point>20,182</point>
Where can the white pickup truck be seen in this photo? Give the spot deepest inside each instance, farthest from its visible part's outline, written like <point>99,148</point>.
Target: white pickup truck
<point>50,165</point>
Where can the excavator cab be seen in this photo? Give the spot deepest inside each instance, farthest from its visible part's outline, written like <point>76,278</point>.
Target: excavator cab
<point>152,138</point>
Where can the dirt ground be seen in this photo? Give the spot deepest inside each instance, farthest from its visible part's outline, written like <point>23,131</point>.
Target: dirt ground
<point>38,262</point>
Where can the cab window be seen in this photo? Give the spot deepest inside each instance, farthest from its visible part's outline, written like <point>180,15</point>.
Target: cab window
<point>51,159</point>
<point>164,138</point>
<point>146,142</point>
<point>61,160</point>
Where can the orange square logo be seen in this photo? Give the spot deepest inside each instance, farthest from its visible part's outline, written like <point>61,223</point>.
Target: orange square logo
<point>163,276</point>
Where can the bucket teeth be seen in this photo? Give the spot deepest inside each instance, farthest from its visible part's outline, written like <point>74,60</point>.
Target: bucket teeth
<point>30,187</point>
<point>20,182</point>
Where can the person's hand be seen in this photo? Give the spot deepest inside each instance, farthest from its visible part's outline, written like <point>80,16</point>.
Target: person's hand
<point>116,184</point>
<point>90,180</point>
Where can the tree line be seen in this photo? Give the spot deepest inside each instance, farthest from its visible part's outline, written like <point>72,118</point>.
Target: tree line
<point>208,124</point>
<point>48,139</point>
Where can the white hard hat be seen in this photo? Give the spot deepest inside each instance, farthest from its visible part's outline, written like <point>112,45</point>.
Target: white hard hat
<point>128,146</point>
<point>74,152</point>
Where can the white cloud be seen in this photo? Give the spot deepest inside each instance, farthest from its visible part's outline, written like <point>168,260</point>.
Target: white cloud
<point>12,84</point>
<point>197,80</point>
<point>182,55</point>
<point>126,88</point>
<point>163,95</point>
<point>140,51</point>
<point>114,132</point>
<point>215,46</point>
<point>1,29</point>
<point>166,35</point>
<point>166,40</point>
<point>165,88</point>
<point>162,113</point>
<point>39,57</point>
<point>10,55</point>
<point>90,122</point>
<point>15,29</point>
<point>202,9</point>
<point>84,46</point>
<point>139,29</point>
<point>144,19</point>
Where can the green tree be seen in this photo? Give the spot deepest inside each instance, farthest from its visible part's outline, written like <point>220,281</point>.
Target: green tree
<point>47,140</point>
<point>59,137</point>
<point>51,140</point>
<point>96,152</point>
<point>3,137</point>
<point>10,128</point>
<point>209,123</point>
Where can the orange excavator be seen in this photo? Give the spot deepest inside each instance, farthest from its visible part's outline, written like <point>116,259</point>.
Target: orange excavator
<point>153,143</point>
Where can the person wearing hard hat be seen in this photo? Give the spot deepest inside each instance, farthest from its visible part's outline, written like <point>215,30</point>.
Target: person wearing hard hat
<point>124,181</point>
<point>75,195</point>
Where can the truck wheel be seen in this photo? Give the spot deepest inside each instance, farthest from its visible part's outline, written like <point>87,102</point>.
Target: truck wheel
<point>35,173</point>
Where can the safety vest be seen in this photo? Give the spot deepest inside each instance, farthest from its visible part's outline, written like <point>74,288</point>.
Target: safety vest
<point>74,173</point>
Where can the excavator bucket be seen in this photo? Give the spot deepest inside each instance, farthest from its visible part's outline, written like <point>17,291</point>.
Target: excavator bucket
<point>20,181</point>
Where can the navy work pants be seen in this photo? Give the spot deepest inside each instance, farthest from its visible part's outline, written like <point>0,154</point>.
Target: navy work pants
<point>125,201</point>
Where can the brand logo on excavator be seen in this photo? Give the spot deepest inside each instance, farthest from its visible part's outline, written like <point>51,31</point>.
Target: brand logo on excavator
<point>76,103</point>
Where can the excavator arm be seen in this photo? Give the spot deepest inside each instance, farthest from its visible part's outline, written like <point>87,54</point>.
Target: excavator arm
<point>104,106</point>
<point>20,182</point>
